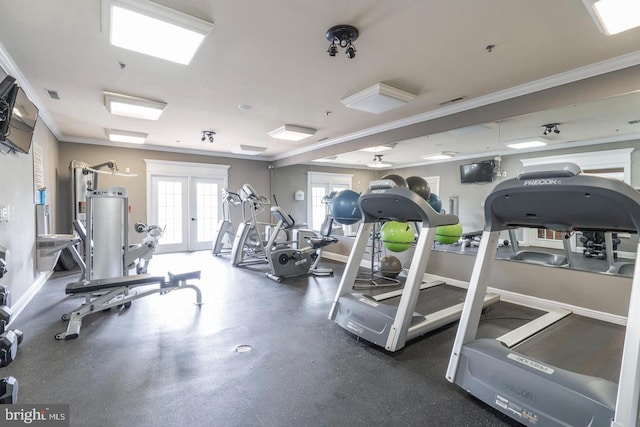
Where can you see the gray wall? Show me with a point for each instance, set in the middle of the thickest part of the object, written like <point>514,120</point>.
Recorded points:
<point>241,171</point>
<point>287,180</point>
<point>19,235</point>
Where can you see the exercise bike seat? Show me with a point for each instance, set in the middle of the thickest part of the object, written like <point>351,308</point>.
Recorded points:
<point>320,242</point>
<point>324,239</point>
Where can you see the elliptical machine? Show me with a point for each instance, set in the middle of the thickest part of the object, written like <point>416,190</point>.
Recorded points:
<point>224,234</point>
<point>248,245</point>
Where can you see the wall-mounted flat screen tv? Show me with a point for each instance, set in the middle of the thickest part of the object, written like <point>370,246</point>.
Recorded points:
<point>20,116</point>
<point>477,172</point>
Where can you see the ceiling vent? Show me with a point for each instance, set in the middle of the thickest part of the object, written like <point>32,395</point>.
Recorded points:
<point>53,94</point>
<point>451,101</point>
<point>378,99</point>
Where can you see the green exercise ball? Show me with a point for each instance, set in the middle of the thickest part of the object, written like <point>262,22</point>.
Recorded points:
<point>396,236</point>
<point>389,266</point>
<point>448,234</point>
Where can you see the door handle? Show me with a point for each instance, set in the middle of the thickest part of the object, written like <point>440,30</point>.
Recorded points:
<point>193,219</point>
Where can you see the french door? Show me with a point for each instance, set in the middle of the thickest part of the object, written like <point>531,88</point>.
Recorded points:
<point>185,200</point>
<point>188,208</point>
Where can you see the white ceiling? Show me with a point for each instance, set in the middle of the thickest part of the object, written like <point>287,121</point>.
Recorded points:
<point>272,56</point>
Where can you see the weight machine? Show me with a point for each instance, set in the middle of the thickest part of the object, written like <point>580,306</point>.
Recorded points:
<point>106,237</point>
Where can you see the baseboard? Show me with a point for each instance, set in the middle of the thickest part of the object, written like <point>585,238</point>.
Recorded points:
<point>22,302</point>
<point>335,257</point>
<point>535,302</point>
<point>543,304</point>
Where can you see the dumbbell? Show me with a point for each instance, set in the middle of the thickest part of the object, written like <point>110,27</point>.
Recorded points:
<point>9,342</point>
<point>8,390</point>
<point>5,296</point>
<point>5,317</point>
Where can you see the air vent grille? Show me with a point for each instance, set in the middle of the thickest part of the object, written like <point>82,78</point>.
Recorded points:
<point>451,101</point>
<point>53,94</point>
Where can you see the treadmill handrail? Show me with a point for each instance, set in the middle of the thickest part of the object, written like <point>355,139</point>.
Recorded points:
<point>565,203</point>
<point>400,204</point>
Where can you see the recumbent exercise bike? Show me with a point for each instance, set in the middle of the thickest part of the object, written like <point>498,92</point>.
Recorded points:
<point>286,261</point>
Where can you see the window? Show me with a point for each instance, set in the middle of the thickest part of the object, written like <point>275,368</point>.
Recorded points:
<point>319,185</point>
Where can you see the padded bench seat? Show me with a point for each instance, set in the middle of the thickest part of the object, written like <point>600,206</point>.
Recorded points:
<point>114,282</point>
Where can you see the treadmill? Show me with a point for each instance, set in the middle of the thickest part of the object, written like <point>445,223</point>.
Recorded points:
<point>528,389</point>
<point>370,317</point>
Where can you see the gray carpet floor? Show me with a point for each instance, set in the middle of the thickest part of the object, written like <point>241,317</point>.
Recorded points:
<point>166,362</point>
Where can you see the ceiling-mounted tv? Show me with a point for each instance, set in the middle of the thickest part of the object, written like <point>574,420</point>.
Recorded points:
<point>477,172</point>
<point>18,116</point>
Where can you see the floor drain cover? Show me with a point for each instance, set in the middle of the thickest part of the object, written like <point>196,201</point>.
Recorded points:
<point>244,348</point>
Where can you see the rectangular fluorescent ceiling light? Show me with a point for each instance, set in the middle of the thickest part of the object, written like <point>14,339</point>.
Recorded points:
<point>126,136</point>
<point>529,143</point>
<point>153,29</point>
<point>614,16</point>
<point>378,148</point>
<point>130,106</point>
<point>378,99</point>
<point>249,150</point>
<point>439,156</point>
<point>292,133</point>
<point>326,159</point>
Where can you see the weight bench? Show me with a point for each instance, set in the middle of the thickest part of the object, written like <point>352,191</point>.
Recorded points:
<point>103,294</point>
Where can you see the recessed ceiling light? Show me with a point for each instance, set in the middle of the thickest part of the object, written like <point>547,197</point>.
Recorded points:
<point>153,29</point>
<point>614,16</point>
<point>126,136</point>
<point>292,133</point>
<point>378,148</point>
<point>527,143</point>
<point>439,156</point>
<point>326,159</point>
<point>244,107</point>
<point>380,164</point>
<point>249,150</point>
<point>378,98</point>
<point>130,106</point>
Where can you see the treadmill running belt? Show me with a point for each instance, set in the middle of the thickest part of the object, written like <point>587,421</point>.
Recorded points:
<point>579,344</point>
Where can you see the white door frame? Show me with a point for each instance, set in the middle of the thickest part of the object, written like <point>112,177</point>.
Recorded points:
<point>187,170</point>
